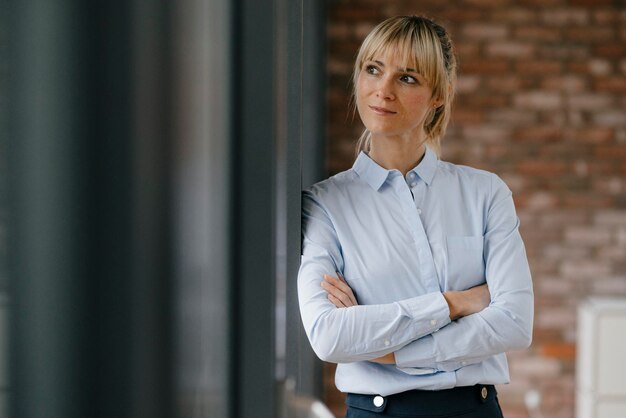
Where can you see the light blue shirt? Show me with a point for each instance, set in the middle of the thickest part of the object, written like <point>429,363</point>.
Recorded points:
<point>400,241</point>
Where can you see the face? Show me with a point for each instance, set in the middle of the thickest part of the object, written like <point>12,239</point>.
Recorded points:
<point>391,100</point>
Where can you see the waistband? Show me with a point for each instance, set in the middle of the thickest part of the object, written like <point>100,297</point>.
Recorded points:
<point>455,400</point>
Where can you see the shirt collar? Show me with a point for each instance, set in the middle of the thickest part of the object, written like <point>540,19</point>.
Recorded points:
<point>427,168</point>
<point>375,175</point>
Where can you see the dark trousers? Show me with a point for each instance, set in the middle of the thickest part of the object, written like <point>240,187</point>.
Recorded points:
<point>480,401</point>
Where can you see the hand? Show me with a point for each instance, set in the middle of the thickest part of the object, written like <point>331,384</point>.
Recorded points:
<point>467,302</point>
<point>339,293</point>
<point>386,359</point>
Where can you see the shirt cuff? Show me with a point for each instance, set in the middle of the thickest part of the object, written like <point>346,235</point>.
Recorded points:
<point>419,353</point>
<point>430,313</point>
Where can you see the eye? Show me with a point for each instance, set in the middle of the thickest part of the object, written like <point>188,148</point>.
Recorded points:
<point>372,69</point>
<point>408,79</point>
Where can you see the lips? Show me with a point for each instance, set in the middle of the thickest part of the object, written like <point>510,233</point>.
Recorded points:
<point>382,111</point>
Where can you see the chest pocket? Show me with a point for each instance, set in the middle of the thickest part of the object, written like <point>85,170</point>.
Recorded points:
<point>466,265</point>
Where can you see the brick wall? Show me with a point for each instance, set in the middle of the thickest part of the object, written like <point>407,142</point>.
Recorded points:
<point>542,102</point>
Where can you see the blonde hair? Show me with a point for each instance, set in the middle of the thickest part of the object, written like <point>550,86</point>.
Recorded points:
<point>426,46</point>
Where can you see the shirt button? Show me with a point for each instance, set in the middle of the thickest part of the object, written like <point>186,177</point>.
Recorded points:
<point>433,322</point>
<point>387,342</point>
<point>413,183</point>
<point>378,401</point>
<point>463,363</point>
<point>419,211</point>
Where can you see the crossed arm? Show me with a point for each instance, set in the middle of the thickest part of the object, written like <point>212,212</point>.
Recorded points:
<point>439,331</point>
<point>460,303</point>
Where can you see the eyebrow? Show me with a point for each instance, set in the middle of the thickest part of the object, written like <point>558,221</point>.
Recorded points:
<point>406,70</point>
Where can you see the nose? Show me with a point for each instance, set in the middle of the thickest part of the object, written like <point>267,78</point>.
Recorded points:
<point>385,88</point>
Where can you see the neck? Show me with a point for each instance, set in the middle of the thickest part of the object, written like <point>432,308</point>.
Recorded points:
<point>397,153</point>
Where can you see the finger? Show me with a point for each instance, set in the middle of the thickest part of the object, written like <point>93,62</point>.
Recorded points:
<point>335,301</point>
<point>342,292</point>
<point>338,293</point>
<point>341,285</point>
<point>349,290</point>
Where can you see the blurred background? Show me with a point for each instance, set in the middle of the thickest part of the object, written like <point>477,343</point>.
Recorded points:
<point>152,155</point>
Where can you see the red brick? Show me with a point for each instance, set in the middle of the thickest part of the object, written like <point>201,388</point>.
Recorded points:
<point>612,84</point>
<point>484,31</point>
<point>510,49</point>
<point>600,67</point>
<point>595,101</point>
<point>595,135</point>
<point>463,14</point>
<point>539,67</point>
<point>610,118</point>
<point>493,100</point>
<point>563,51</point>
<point>488,3</point>
<point>587,200</point>
<point>467,83</point>
<point>512,117</point>
<point>568,83</point>
<point>587,235</point>
<point>467,116</point>
<point>538,33</point>
<point>610,50</point>
<point>349,12</point>
<point>542,168</point>
<point>486,133</point>
<point>589,34</point>
<point>591,3</point>
<point>538,100</point>
<point>514,15</point>
<point>539,133</point>
<point>605,16</point>
<point>484,66</point>
<point>565,16</point>
<point>508,83</point>
<point>466,49</point>
<point>611,217</point>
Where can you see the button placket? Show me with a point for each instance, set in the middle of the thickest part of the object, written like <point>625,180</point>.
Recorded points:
<point>423,252</point>
<point>427,262</point>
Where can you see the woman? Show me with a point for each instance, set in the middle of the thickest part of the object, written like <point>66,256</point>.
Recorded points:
<point>414,277</point>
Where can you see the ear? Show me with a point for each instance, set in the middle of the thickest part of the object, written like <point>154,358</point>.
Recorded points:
<point>437,102</point>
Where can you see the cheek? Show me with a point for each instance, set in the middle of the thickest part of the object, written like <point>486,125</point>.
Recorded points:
<point>419,101</point>
<point>362,87</point>
<point>417,105</point>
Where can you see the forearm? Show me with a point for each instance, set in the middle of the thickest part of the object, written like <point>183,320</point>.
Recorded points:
<point>505,325</point>
<point>359,333</point>
<point>460,304</point>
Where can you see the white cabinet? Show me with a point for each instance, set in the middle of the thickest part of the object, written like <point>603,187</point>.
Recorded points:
<point>601,359</point>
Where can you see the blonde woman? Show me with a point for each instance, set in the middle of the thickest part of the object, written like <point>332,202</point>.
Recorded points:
<point>414,277</point>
